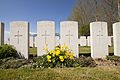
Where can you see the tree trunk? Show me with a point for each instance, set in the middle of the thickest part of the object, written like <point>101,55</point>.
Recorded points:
<point>119,10</point>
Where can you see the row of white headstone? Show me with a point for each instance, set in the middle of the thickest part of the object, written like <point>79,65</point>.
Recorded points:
<point>83,41</point>
<point>19,37</point>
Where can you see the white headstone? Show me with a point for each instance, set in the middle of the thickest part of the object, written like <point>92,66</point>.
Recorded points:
<point>99,39</point>
<point>35,41</point>
<point>57,40</point>
<point>31,41</point>
<point>110,40</point>
<point>116,34</point>
<point>1,33</point>
<point>88,41</point>
<point>69,35</point>
<point>45,35</point>
<point>19,37</point>
<point>83,41</point>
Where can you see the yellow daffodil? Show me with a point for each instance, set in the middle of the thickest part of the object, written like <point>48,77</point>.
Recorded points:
<point>64,43</point>
<point>45,49</point>
<point>61,58</point>
<point>71,57</point>
<point>53,55</point>
<point>66,47</point>
<point>71,54</point>
<point>57,48</point>
<point>62,50</point>
<point>63,47</point>
<point>57,53</point>
<point>65,56</point>
<point>60,46</point>
<point>48,58</point>
<point>48,53</point>
<point>51,51</point>
<point>67,53</point>
<point>46,44</point>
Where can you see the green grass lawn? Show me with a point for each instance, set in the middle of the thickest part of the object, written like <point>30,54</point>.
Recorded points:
<point>83,50</point>
<point>87,49</point>
<point>33,51</point>
<point>85,73</point>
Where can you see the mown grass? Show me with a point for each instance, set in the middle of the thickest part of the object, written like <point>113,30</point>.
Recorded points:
<point>87,49</point>
<point>82,50</point>
<point>111,49</point>
<point>86,73</point>
<point>33,51</point>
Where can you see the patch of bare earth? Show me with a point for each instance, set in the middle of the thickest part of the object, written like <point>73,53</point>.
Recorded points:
<point>105,62</point>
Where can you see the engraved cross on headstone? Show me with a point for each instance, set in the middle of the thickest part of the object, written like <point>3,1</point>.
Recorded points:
<point>45,35</point>
<point>69,35</point>
<point>18,35</point>
<point>100,34</point>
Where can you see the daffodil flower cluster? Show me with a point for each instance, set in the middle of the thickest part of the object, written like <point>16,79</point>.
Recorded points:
<point>59,54</point>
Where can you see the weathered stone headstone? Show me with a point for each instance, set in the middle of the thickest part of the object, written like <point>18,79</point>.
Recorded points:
<point>83,41</point>
<point>19,37</point>
<point>88,41</point>
<point>57,40</point>
<point>31,41</point>
<point>69,35</point>
<point>1,33</point>
<point>99,39</point>
<point>116,37</point>
<point>35,41</point>
<point>45,35</point>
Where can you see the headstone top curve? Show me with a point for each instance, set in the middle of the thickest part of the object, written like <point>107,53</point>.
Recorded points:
<point>45,21</point>
<point>116,23</point>
<point>68,22</point>
<point>19,22</point>
<point>98,22</point>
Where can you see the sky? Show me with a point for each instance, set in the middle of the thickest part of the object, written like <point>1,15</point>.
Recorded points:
<point>33,11</point>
